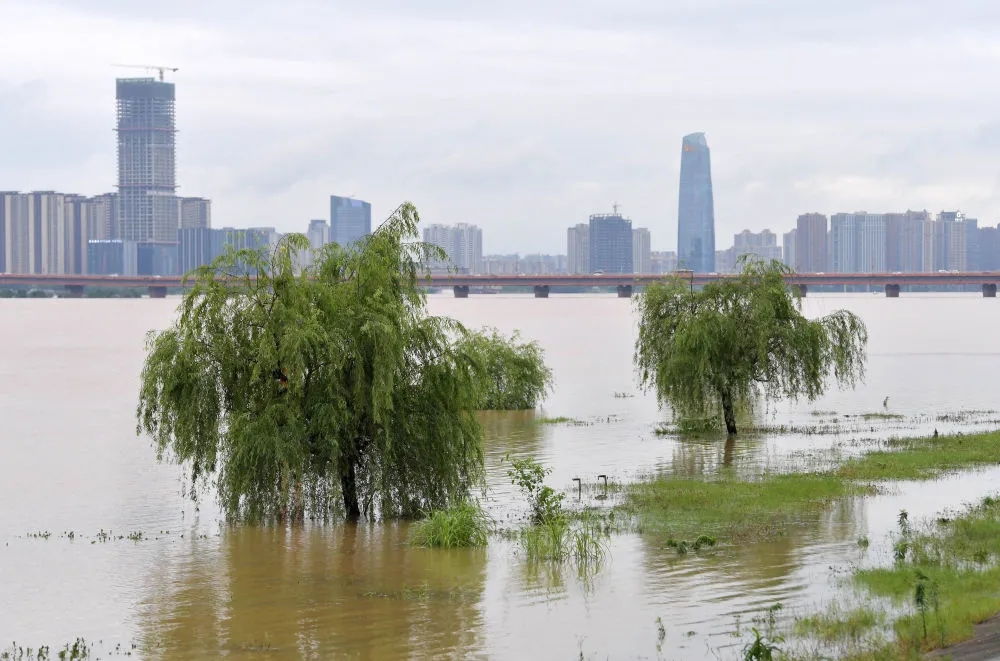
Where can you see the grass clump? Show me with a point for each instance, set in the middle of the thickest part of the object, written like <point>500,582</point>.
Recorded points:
<point>837,625</point>
<point>462,526</point>
<point>561,420</point>
<point>733,510</point>
<point>923,458</point>
<point>881,416</point>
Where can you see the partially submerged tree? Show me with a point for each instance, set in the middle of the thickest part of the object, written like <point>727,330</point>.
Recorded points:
<point>514,373</point>
<point>739,339</point>
<point>292,390</point>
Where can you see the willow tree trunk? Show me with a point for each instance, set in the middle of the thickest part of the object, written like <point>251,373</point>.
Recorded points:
<point>349,489</point>
<point>729,412</point>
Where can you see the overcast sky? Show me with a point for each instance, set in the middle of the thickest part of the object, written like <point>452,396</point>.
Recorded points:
<point>522,116</point>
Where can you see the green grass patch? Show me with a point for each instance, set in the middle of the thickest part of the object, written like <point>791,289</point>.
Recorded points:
<point>838,625</point>
<point>462,526</point>
<point>949,577</point>
<point>923,458</point>
<point>561,420</point>
<point>733,510</point>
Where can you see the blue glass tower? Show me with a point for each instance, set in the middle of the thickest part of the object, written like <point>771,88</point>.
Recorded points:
<point>695,211</point>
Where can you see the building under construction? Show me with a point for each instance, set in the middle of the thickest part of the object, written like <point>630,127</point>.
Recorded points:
<point>147,183</point>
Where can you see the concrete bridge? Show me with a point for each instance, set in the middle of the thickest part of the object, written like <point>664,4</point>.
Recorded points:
<point>624,284</point>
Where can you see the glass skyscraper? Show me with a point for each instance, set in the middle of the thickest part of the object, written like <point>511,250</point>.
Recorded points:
<point>350,220</point>
<point>695,210</point>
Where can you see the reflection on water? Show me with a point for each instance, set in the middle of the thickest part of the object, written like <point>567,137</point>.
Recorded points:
<point>203,590</point>
<point>317,593</point>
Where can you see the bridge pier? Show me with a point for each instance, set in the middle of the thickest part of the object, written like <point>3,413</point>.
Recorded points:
<point>74,291</point>
<point>624,291</point>
<point>802,289</point>
<point>461,291</point>
<point>892,291</point>
<point>541,291</point>
<point>157,291</point>
<point>989,290</point>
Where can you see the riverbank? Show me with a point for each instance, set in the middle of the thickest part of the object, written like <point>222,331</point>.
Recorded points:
<point>944,574</point>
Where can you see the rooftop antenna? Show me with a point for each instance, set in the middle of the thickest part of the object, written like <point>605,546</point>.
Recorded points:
<point>615,207</point>
<point>148,67</point>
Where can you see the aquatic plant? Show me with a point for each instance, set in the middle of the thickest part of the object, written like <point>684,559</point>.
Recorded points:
<point>460,526</point>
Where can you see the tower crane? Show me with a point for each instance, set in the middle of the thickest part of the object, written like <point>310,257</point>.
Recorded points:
<point>148,67</point>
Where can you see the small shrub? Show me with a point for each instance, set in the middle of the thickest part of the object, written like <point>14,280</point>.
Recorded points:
<point>461,526</point>
<point>529,476</point>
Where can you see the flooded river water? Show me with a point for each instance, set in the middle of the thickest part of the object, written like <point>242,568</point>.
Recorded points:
<point>77,482</point>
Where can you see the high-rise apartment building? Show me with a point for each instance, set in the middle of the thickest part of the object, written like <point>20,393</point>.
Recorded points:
<point>763,244</point>
<point>904,241</point>
<point>194,212</point>
<point>147,182</point>
<point>578,248</point>
<point>695,208</point>
<point>86,220</point>
<point>989,249</point>
<point>788,254</point>
<point>811,244</point>
<point>641,253</point>
<point>611,244</point>
<point>350,220</point>
<point>857,242</point>
<point>463,244</point>
<point>45,232</point>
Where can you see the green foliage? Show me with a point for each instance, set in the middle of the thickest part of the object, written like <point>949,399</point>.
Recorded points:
<point>740,339</point>
<point>529,476</point>
<point>462,525</point>
<point>293,391</point>
<point>760,648</point>
<point>513,373</point>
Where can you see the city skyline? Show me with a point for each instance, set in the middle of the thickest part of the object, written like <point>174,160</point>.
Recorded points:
<point>585,112</point>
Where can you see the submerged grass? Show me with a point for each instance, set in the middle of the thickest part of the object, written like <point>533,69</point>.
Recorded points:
<point>731,509</point>
<point>561,420</point>
<point>838,625</point>
<point>559,539</point>
<point>462,526</point>
<point>923,458</point>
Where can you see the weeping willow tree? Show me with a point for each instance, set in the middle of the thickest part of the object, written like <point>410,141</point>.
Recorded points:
<point>515,376</point>
<point>294,391</point>
<point>740,339</point>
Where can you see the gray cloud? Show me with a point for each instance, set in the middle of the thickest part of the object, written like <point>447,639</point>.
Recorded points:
<point>523,117</point>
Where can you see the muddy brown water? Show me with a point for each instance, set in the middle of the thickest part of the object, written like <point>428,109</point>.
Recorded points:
<point>192,588</point>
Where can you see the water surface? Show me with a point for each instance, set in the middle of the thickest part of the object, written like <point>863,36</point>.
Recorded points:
<point>193,588</point>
